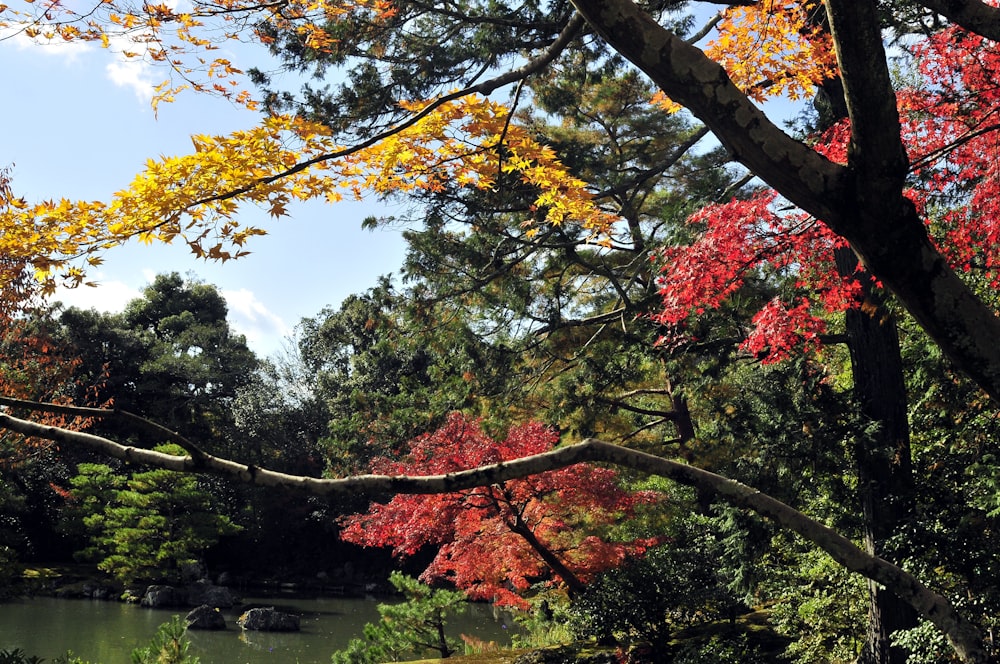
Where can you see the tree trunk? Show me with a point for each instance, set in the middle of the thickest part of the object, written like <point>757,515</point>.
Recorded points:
<point>443,648</point>
<point>574,586</point>
<point>882,456</point>
<point>858,202</point>
<point>882,453</point>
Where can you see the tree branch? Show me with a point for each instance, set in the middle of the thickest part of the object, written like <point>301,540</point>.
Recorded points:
<point>148,426</point>
<point>658,169</point>
<point>701,85</point>
<point>882,225</point>
<point>616,403</point>
<point>485,88</point>
<point>963,635</point>
<point>973,15</point>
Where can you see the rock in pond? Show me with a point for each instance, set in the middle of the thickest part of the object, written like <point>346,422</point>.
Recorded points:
<point>163,596</point>
<point>266,619</point>
<point>203,592</point>
<point>205,617</point>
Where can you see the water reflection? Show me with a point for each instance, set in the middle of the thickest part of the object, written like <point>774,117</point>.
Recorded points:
<point>106,632</point>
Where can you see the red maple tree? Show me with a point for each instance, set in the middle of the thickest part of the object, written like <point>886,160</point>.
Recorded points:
<point>495,541</point>
<point>949,119</point>
<point>34,366</point>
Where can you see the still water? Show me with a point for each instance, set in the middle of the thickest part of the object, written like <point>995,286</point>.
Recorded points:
<point>106,632</point>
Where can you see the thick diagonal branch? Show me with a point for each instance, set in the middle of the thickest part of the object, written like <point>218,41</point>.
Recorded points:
<point>962,634</point>
<point>882,225</point>
<point>973,15</point>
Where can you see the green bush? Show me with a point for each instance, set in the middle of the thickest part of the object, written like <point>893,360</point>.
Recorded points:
<point>168,646</point>
<point>720,650</point>
<point>17,656</point>
<point>147,527</point>
<point>410,628</point>
<point>673,586</point>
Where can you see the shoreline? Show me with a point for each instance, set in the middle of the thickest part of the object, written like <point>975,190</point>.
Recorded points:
<point>74,581</point>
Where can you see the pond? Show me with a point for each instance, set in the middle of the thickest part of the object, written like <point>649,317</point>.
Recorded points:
<point>106,632</point>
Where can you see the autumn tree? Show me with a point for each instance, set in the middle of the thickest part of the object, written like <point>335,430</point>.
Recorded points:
<point>577,317</point>
<point>690,78</point>
<point>863,185</point>
<point>35,363</point>
<point>882,453</point>
<point>493,542</point>
<point>20,288</point>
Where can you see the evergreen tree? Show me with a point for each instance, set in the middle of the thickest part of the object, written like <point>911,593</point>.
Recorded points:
<point>412,627</point>
<point>387,373</point>
<point>150,525</point>
<point>170,356</point>
<point>169,645</point>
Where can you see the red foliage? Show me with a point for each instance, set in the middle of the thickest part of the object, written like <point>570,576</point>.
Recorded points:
<point>35,367</point>
<point>744,237</point>
<point>951,127</point>
<point>479,532</point>
<point>950,123</point>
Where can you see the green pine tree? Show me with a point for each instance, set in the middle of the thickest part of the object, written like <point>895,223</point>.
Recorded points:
<point>149,525</point>
<point>168,646</point>
<point>409,628</point>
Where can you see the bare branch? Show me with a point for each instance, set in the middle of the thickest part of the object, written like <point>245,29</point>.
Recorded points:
<point>148,426</point>
<point>705,29</point>
<point>664,414</point>
<point>658,169</point>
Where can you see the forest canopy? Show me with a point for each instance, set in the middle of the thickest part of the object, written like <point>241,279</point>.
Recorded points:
<point>606,234</point>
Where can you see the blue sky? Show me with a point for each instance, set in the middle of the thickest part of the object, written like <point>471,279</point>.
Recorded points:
<point>77,123</point>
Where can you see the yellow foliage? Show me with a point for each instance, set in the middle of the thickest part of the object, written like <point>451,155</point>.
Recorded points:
<point>194,198</point>
<point>772,48</point>
<point>178,36</point>
<point>769,48</point>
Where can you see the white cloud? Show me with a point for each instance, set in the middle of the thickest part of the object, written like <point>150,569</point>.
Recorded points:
<point>69,51</point>
<point>132,73</point>
<point>265,331</point>
<point>108,296</point>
